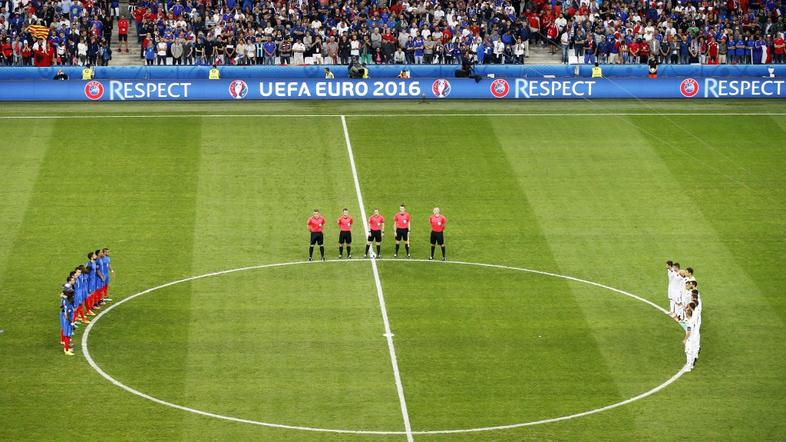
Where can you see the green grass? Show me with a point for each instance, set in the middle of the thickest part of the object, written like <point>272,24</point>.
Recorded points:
<point>606,198</point>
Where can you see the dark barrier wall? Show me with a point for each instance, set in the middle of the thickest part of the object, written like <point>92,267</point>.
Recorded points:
<point>433,88</point>
<point>388,71</point>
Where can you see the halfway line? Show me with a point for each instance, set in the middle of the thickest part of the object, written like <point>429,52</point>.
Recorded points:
<point>380,296</point>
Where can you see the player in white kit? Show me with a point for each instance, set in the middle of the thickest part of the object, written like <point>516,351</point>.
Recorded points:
<point>689,323</point>
<point>672,270</point>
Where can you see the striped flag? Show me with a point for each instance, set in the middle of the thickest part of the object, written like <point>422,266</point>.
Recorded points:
<point>38,31</point>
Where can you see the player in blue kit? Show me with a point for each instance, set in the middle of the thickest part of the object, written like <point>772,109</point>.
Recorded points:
<point>100,279</point>
<point>94,282</point>
<point>90,280</point>
<point>80,294</point>
<point>105,265</point>
<point>66,312</point>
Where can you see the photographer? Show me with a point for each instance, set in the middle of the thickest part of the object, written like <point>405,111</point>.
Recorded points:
<point>467,70</point>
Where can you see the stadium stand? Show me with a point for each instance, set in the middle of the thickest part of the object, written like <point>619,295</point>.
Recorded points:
<point>241,32</point>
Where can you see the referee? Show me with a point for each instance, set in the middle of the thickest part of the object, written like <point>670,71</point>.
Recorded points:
<point>437,222</point>
<point>315,225</point>
<point>376,229</point>
<point>402,220</point>
<point>345,234</point>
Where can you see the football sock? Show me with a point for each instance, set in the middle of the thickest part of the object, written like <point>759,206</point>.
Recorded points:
<point>406,246</point>
<point>322,251</point>
<point>443,251</point>
<point>432,251</point>
<point>340,251</point>
<point>368,246</point>
<point>311,251</point>
<point>397,246</point>
<point>349,250</point>
<point>378,247</point>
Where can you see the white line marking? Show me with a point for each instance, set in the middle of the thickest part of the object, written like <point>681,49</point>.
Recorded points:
<point>388,334</point>
<point>119,384</point>
<point>416,115</point>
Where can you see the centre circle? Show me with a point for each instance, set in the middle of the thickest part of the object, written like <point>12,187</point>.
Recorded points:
<point>114,381</point>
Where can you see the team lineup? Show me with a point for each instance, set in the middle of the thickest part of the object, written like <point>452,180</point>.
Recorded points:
<point>86,289</point>
<point>376,230</point>
<point>685,307</point>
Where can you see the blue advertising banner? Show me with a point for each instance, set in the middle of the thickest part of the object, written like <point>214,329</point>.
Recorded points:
<point>433,88</point>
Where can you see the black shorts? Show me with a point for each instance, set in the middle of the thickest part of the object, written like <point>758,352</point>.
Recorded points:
<point>317,238</point>
<point>345,237</point>
<point>437,238</point>
<point>402,234</point>
<point>122,37</point>
<point>375,235</point>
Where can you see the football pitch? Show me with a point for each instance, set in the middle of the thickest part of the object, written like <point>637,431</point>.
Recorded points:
<point>545,323</point>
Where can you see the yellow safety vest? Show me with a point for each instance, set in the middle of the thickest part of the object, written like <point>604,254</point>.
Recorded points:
<point>214,74</point>
<point>365,73</point>
<point>329,76</point>
<point>597,72</point>
<point>87,74</point>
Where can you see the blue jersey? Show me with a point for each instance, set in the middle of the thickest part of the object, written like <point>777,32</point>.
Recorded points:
<point>78,287</point>
<point>92,277</point>
<point>105,268</point>
<point>66,313</point>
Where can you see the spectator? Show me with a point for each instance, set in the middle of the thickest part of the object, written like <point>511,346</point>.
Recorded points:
<point>177,51</point>
<point>122,33</point>
<point>298,51</point>
<point>161,49</point>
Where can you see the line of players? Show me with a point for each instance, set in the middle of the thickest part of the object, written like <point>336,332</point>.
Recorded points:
<point>685,307</point>
<point>85,290</point>
<point>376,230</point>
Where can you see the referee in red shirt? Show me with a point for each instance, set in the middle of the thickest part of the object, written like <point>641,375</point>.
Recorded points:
<point>376,229</point>
<point>402,221</point>
<point>437,222</point>
<point>345,234</point>
<point>315,225</point>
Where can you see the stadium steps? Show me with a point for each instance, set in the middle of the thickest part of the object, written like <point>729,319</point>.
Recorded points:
<point>130,58</point>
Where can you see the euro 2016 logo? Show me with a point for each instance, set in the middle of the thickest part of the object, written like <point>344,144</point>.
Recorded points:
<point>94,90</point>
<point>238,89</point>
<point>499,88</point>
<point>689,88</point>
<point>440,88</point>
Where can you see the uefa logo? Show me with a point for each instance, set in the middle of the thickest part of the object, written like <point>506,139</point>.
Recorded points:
<point>689,87</point>
<point>238,89</point>
<point>500,88</point>
<point>94,90</point>
<point>440,88</point>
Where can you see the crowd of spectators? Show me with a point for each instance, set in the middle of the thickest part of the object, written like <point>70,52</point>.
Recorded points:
<point>243,32</point>
<point>64,32</point>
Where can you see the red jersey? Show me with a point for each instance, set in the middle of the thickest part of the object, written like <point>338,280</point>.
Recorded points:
<point>122,26</point>
<point>375,222</point>
<point>345,223</point>
<point>315,224</point>
<point>402,220</point>
<point>437,222</point>
<point>778,45</point>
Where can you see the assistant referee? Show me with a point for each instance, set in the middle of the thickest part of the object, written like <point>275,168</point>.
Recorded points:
<point>437,222</point>
<point>316,223</point>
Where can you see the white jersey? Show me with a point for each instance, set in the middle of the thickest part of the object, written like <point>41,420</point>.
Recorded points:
<point>673,288</point>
